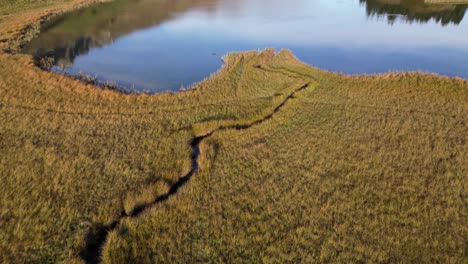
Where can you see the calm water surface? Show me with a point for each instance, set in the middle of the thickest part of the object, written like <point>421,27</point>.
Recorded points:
<point>160,45</point>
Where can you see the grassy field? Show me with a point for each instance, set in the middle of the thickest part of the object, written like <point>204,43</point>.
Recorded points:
<point>349,169</point>
<point>356,170</point>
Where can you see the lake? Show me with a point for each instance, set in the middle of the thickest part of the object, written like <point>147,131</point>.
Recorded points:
<point>163,45</point>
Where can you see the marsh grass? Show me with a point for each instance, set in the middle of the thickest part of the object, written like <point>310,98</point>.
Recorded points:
<point>360,168</point>
<point>74,157</point>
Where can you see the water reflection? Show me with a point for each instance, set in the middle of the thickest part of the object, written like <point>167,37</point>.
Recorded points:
<point>163,44</point>
<point>421,11</point>
<point>67,37</point>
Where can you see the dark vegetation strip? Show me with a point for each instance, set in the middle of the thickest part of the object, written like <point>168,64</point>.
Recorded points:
<point>54,111</point>
<point>96,239</point>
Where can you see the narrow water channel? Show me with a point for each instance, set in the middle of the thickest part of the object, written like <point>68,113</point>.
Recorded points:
<point>92,252</point>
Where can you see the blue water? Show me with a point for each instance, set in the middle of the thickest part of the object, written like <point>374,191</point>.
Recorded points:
<point>184,42</point>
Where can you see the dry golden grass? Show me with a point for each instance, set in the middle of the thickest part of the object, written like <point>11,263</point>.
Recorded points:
<point>74,157</point>
<point>360,169</point>
<point>355,169</point>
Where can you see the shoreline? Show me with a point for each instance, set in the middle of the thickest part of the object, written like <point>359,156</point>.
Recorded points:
<point>30,30</point>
